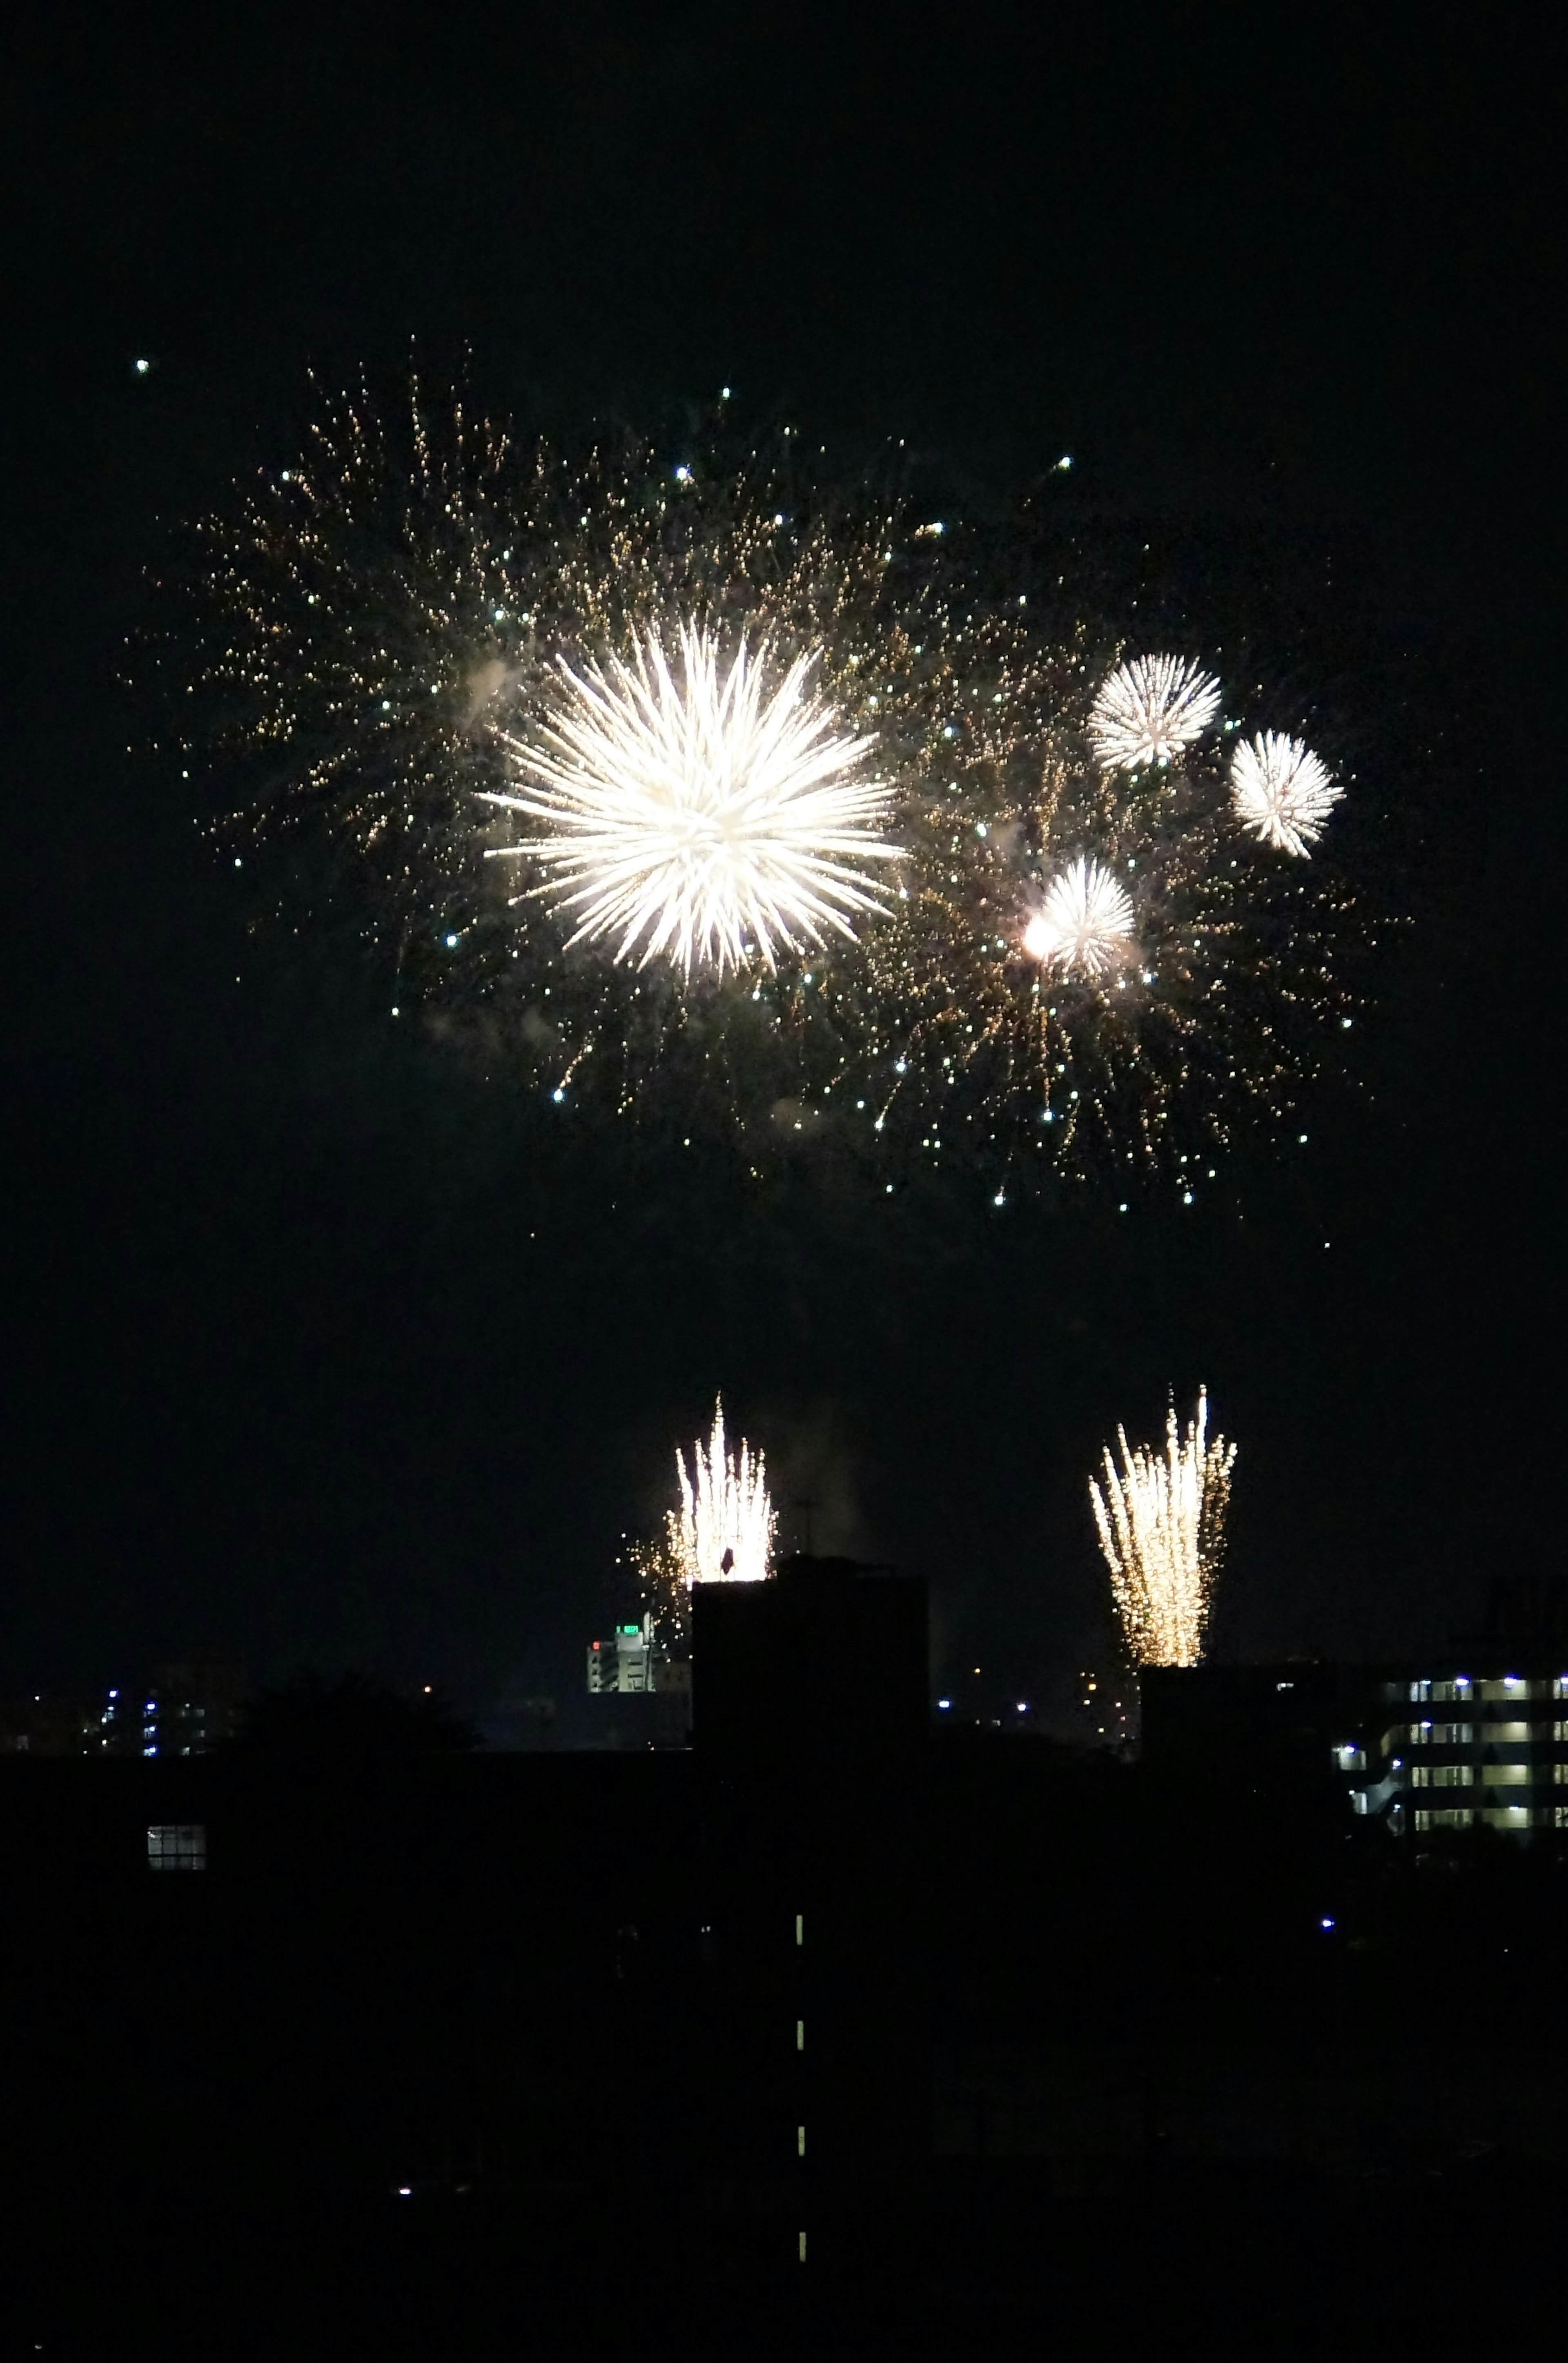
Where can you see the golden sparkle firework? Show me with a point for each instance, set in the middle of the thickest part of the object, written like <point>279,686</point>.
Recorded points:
<point>1024,923</point>
<point>1161,1522</point>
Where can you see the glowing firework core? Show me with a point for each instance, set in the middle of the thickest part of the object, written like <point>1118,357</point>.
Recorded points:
<point>1281,791</point>
<point>723,1532</point>
<point>705,817</point>
<point>1161,1526</point>
<point>1147,711</point>
<point>1085,924</point>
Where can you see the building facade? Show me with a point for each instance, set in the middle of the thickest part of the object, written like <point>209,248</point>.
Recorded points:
<point>1477,1745</point>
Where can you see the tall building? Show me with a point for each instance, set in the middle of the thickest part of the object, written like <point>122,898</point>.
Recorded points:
<point>1471,1742</point>
<point>811,1743</point>
<point>632,1664</point>
<point>1468,1744</point>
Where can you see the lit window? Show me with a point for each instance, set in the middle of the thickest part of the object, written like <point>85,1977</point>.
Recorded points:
<point>1506,1776</point>
<point>176,1845</point>
<point>800,1927</point>
<point>1421,1692</point>
<point>1560,1816</point>
<point>800,2141</point>
<point>799,2034</point>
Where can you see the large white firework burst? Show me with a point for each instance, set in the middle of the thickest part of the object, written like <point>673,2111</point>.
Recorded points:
<point>1149,709</point>
<point>723,1532</point>
<point>1161,1522</point>
<point>1085,924</point>
<point>707,812</point>
<point>1281,791</point>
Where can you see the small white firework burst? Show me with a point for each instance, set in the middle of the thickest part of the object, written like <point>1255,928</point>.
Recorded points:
<point>707,817</point>
<point>1281,791</point>
<point>1149,709</point>
<point>1085,924</point>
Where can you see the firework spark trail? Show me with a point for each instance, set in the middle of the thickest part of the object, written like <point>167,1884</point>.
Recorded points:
<point>1149,710</point>
<point>1282,791</point>
<point>724,1530</point>
<point>703,819</point>
<point>1085,924</point>
<point>1161,1524</point>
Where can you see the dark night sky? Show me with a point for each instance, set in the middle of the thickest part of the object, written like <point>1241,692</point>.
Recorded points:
<point>317,1348</point>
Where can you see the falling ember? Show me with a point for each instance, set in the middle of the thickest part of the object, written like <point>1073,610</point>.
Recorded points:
<point>699,814</point>
<point>723,1532</point>
<point>1149,710</point>
<point>1162,1523</point>
<point>1085,924</point>
<point>1281,791</point>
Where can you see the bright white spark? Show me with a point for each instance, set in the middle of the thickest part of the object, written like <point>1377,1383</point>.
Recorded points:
<point>723,1532</point>
<point>1162,1525</point>
<point>699,813</point>
<point>1281,791</point>
<point>1149,709</point>
<point>1085,924</point>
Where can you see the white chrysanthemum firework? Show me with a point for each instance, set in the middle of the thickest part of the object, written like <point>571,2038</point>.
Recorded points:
<point>1281,791</point>
<point>1149,709</point>
<point>723,1532</point>
<point>1084,925</point>
<point>699,812</point>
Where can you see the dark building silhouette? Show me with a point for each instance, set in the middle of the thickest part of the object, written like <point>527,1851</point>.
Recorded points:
<point>812,1742</point>
<point>677,1990</point>
<point>831,2001</point>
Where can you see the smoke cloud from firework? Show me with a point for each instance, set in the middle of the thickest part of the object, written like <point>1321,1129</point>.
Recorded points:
<point>1161,1521</point>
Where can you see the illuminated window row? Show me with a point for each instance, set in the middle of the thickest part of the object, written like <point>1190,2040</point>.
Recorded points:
<point>1505,1687</point>
<point>1464,1817</point>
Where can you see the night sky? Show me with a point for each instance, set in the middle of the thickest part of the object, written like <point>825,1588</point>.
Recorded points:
<point>323,1346</point>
